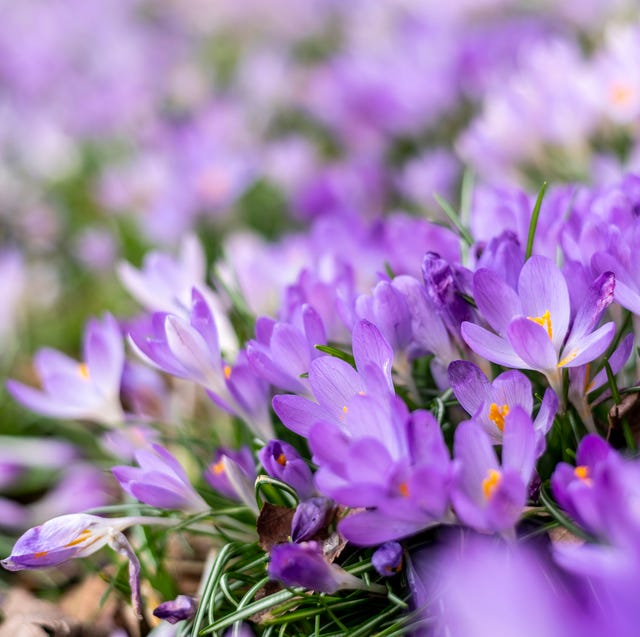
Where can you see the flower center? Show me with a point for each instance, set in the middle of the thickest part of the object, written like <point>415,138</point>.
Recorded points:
<point>83,370</point>
<point>227,371</point>
<point>497,415</point>
<point>218,467</point>
<point>582,473</point>
<point>621,94</point>
<point>281,459</point>
<point>544,321</point>
<point>491,482</point>
<point>404,490</point>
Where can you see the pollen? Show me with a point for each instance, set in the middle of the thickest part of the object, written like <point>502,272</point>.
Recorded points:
<point>218,467</point>
<point>40,554</point>
<point>345,409</point>
<point>568,358</point>
<point>544,321</point>
<point>227,371</point>
<point>582,473</point>
<point>498,414</point>
<point>83,370</point>
<point>491,482</point>
<point>84,535</point>
<point>404,490</point>
<point>282,459</point>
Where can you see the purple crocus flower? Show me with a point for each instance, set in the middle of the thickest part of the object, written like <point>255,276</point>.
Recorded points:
<point>280,460</point>
<point>177,610</point>
<point>487,496</point>
<point>388,310</point>
<point>445,285</point>
<point>76,535</point>
<point>583,490</point>
<point>190,349</point>
<point>334,382</point>
<point>232,473</point>
<point>532,324</point>
<point>87,390</point>
<point>475,586</point>
<point>490,402</point>
<point>387,559</point>
<point>282,352</point>
<point>309,518</point>
<point>391,465</point>
<point>160,481</point>
<point>304,565</point>
<point>165,283</point>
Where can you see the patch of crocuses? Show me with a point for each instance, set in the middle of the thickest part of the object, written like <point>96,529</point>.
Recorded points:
<point>367,372</point>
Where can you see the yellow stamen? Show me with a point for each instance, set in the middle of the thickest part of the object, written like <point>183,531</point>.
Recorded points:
<point>491,482</point>
<point>345,409</point>
<point>582,473</point>
<point>362,393</point>
<point>40,554</point>
<point>84,535</point>
<point>282,459</point>
<point>544,321</point>
<point>404,490</point>
<point>227,371</point>
<point>497,415</point>
<point>218,467</point>
<point>83,370</point>
<point>568,358</point>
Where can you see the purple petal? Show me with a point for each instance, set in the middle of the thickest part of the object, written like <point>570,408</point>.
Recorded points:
<point>104,354</point>
<point>497,301</point>
<point>512,388</point>
<point>543,288</point>
<point>370,347</point>
<point>473,450</point>
<point>532,344</point>
<point>598,299</point>
<point>297,413</point>
<point>334,383</point>
<point>370,528</point>
<point>493,348</point>
<point>470,386</point>
<point>519,443</point>
<point>588,348</point>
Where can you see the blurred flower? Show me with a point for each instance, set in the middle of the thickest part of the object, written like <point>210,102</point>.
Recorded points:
<point>160,481</point>
<point>181,608</point>
<point>303,565</point>
<point>88,390</point>
<point>280,460</point>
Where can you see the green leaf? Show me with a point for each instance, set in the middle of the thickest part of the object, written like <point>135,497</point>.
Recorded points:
<point>533,224</point>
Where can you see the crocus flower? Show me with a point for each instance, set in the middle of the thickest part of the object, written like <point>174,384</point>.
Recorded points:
<point>445,285</point>
<point>583,491</point>
<point>280,460</point>
<point>76,535</point>
<point>178,609</point>
<point>475,586</point>
<point>334,382</point>
<point>304,565</point>
<point>232,473</point>
<point>487,496</point>
<point>390,465</point>
<point>490,402</point>
<point>309,518</point>
<point>387,559</point>
<point>87,390</point>
<point>160,481</point>
<point>189,348</point>
<point>164,284</point>
<point>532,324</point>
<point>282,352</point>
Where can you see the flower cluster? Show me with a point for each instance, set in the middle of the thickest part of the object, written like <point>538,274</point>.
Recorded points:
<point>385,424</point>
